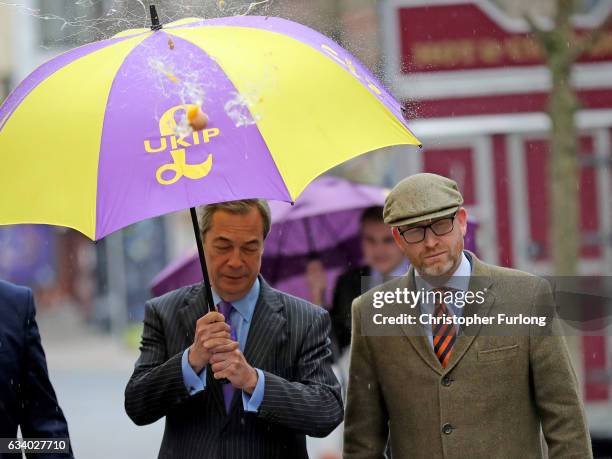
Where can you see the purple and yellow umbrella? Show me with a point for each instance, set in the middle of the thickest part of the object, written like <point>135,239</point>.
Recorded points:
<point>157,120</point>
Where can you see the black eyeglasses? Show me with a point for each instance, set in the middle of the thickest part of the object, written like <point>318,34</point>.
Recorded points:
<point>439,228</point>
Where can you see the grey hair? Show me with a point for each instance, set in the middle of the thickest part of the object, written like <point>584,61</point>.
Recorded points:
<point>240,207</point>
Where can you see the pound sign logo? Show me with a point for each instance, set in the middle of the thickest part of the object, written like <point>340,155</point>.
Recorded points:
<point>179,167</point>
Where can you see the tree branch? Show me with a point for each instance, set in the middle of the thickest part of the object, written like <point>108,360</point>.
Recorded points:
<point>587,42</point>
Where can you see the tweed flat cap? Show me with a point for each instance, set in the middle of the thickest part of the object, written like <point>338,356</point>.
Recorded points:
<point>421,197</point>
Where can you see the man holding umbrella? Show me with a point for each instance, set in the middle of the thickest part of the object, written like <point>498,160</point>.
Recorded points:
<point>272,351</point>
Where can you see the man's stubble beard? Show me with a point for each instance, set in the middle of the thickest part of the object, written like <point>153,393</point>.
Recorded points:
<point>439,269</point>
<point>447,267</point>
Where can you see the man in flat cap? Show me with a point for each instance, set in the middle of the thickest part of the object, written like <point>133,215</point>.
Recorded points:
<point>434,385</point>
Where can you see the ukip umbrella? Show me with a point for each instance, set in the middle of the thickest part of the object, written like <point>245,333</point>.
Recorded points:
<point>324,223</point>
<point>198,111</point>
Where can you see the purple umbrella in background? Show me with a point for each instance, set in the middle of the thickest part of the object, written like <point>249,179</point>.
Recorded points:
<point>324,223</point>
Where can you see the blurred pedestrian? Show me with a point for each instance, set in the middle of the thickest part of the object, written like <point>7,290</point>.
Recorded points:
<point>273,349</point>
<point>27,398</point>
<point>445,391</point>
<point>383,259</point>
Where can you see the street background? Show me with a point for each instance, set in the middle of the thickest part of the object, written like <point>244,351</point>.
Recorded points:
<point>476,91</point>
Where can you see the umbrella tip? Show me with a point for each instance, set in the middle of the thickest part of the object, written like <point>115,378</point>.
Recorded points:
<point>155,25</point>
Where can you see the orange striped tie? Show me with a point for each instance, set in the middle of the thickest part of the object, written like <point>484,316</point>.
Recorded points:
<point>444,335</point>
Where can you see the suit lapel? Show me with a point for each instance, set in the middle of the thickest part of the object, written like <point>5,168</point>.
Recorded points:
<point>194,308</point>
<point>415,333</point>
<point>266,324</point>
<point>480,281</point>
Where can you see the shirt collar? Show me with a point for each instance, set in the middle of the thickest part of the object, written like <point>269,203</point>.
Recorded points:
<point>460,280</point>
<point>401,269</point>
<point>245,305</point>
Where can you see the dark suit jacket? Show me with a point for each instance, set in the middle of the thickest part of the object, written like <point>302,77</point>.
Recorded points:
<point>348,287</point>
<point>27,398</point>
<point>288,340</point>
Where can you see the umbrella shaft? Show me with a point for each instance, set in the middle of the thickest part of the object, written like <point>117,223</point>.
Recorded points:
<point>207,287</point>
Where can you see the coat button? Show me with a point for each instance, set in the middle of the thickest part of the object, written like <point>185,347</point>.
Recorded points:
<point>447,429</point>
<point>447,381</point>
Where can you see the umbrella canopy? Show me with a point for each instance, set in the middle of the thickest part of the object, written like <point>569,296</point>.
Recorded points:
<point>103,135</point>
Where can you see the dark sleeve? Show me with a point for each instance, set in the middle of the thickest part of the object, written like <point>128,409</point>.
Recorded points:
<point>40,415</point>
<point>340,312</point>
<point>157,385</point>
<point>311,405</point>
